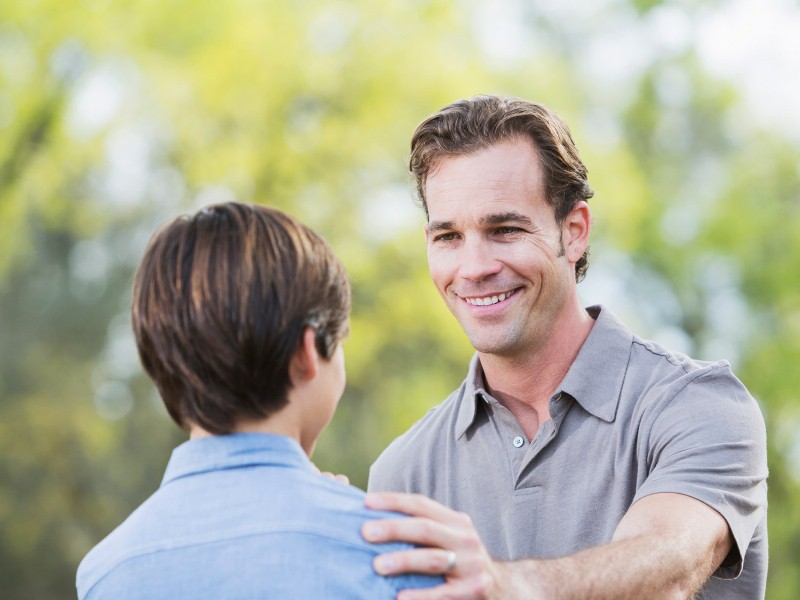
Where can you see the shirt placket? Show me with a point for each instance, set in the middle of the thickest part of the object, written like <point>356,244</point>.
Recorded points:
<point>560,404</point>
<point>521,453</point>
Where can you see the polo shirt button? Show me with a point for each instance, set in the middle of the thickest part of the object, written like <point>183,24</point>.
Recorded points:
<point>518,441</point>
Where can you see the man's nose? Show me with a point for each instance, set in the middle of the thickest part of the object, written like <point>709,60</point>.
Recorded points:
<point>477,261</point>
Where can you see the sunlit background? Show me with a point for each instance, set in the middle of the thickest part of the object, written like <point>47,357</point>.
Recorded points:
<point>115,116</point>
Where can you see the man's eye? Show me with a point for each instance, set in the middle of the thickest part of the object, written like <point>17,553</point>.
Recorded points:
<point>445,237</point>
<point>507,230</point>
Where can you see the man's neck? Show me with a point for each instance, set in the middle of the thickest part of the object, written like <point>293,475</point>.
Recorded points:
<point>524,383</point>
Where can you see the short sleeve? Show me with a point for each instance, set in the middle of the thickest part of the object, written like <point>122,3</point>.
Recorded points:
<point>706,439</point>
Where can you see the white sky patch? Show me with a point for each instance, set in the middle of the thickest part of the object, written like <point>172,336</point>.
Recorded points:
<point>128,154</point>
<point>502,32</point>
<point>388,212</point>
<point>568,10</point>
<point>98,98</point>
<point>670,29</point>
<point>756,45</point>
<point>620,53</point>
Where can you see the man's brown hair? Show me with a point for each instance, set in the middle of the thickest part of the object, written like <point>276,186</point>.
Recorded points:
<point>220,302</point>
<point>474,124</point>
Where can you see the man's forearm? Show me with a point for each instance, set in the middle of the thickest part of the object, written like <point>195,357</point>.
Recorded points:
<point>665,547</point>
<point>640,567</point>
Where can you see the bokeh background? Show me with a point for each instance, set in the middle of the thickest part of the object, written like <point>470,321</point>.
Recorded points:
<point>118,115</point>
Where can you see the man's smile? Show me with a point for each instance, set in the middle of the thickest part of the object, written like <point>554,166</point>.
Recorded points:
<point>488,299</point>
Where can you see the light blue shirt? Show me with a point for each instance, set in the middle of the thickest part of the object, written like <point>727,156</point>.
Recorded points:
<point>243,516</point>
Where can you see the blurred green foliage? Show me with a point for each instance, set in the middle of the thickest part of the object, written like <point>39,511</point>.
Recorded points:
<point>115,116</point>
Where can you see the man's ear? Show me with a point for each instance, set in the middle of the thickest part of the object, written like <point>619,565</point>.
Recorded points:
<point>575,231</point>
<point>426,232</point>
<point>304,365</point>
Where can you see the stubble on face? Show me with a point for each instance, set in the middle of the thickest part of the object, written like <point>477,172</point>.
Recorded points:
<point>470,195</point>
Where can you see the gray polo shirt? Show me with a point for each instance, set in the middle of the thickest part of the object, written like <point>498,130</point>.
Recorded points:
<point>630,419</point>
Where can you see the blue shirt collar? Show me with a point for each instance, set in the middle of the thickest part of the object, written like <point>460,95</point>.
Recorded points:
<point>234,450</point>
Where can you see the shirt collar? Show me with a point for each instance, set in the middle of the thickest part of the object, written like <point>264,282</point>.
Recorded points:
<point>471,395</point>
<point>236,450</point>
<point>594,380</point>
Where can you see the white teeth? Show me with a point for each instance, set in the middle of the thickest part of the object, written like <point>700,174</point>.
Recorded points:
<point>489,300</point>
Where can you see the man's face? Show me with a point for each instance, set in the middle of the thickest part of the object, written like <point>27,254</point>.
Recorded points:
<point>495,251</point>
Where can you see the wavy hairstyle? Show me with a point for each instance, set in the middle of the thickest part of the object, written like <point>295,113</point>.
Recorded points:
<point>473,124</point>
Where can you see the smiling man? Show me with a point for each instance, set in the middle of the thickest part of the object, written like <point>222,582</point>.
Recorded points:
<point>576,460</point>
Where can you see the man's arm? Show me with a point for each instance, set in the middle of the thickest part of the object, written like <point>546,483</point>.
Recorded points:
<point>665,546</point>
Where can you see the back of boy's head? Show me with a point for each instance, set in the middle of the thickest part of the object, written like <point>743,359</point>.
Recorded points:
<point>220,302</point>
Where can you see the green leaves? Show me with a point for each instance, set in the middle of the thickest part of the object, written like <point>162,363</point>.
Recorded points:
<point>115,116</point>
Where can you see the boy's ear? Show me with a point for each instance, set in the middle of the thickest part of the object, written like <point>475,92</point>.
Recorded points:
<point>304,365</point>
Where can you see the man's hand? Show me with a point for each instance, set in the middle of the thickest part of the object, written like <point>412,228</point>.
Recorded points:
<point>666,546</point>
<point>338,477</point>
<point>452,548</point>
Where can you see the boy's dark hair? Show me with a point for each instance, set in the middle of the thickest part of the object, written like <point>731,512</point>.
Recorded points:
<point>220,303</point>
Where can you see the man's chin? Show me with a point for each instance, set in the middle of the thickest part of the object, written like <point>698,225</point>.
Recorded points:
<point>498,346</point>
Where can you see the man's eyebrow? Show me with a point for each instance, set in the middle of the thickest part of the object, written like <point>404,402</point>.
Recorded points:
<point>506,217</point>
<point>493,219</point>
<point>439,226</point>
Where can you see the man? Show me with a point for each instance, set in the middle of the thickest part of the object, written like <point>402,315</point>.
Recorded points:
<point>239,312</point>
<point>576,460</point>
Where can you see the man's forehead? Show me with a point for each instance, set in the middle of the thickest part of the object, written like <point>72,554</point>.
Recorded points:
<point>502,168</point>
<point>521,149</point>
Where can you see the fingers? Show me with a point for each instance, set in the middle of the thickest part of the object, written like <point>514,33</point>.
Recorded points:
<point>420,531</point>
<point>450,546</point>
<point>465,579</point>
<point>340,478</point>
<point>431,524</point>
<point>431,561</point>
